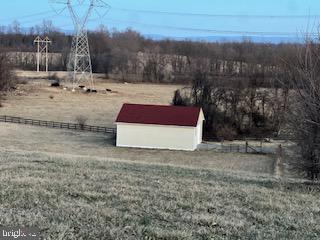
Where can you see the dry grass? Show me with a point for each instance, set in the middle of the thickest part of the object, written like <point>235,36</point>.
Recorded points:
<point>77,185</point>
<point>100,109</point>
<point>30,138</point>
<point>91,198</point>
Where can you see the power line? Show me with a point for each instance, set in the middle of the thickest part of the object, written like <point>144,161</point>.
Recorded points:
<point>28,16</point>
<point>203,30</point>
<point>37,14</point>
<point>215,15</point>
<point>259,33</point>
<point>178,14</point>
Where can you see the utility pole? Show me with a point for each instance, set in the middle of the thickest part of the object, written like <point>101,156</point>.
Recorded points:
<point>37,41</point>
<point>42,46</point>
<point>47,41</point>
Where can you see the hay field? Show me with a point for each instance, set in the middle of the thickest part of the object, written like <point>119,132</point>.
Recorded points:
<point>34,99</point>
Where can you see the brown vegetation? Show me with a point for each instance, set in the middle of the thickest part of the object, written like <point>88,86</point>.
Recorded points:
<point>235,109</point>
<point>131,57</point>
<point>7,79</point>
<point>303,73</point>
<point>6,76</point>
<point>81,120</point>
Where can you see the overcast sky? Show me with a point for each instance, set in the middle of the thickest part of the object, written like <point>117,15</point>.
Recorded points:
<point>32,12</point>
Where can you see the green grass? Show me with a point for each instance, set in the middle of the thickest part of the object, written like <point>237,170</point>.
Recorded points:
<point>91,198</point>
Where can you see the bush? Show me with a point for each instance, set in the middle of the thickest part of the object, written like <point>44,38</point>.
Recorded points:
<point>23,81</point>
<point>178,100</point>
<point>81,120</point>
<point>7,79</point>
<point>226,133</point>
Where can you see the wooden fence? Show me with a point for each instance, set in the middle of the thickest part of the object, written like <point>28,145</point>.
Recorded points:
<point>61,125</point>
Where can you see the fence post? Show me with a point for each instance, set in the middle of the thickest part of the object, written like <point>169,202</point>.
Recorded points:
<point>247,146</point>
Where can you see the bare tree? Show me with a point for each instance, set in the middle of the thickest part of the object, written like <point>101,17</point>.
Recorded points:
<point>7,79</point>
<point>81,120</point>
<point>304,114</point>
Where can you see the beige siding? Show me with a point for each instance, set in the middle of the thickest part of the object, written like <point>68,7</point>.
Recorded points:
<point>199,133</point>
<point>156,136</point>
<point>200,128</point>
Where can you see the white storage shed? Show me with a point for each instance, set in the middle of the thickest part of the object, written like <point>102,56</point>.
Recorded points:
<point>159,127</point>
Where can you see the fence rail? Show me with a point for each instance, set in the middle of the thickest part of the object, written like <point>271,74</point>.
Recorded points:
<point>242,148</point>
<point>61,125</point>
<point>245,147</point>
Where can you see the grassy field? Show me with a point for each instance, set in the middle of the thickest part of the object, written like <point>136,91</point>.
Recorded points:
<point>72,197</point>
<point>77,185</point>
<point>39,101</point>
<point>72,143</point>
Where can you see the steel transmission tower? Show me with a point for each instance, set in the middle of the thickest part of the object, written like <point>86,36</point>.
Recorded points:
<point>79,64</point>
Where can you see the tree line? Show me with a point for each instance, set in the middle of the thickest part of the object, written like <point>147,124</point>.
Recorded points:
<point>290,105</point>
<point>127,55</point>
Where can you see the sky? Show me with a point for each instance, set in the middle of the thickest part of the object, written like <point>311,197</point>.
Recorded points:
<point>195,18</point>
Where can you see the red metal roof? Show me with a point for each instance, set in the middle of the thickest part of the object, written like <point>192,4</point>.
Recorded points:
<point>159,115</point>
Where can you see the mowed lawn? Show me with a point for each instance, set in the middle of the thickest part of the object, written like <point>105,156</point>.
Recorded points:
<point>92,198</point>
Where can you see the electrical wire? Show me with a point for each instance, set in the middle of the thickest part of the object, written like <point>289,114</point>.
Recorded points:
<point>178,28</point>
<point>27,16</point>
<point>262,33</point>
<point>214,15</point>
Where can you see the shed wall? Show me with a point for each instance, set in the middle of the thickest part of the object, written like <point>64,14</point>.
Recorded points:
<point>157,136</point>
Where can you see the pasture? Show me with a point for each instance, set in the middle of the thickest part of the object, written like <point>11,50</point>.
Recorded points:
<point>77,185</point>
<point>39,101</point>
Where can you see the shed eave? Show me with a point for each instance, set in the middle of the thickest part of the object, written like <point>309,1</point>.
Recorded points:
<point>150,124</point>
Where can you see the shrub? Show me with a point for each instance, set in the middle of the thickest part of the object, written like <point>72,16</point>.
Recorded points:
<point>23,81</point>
<point>181,97</point>
<point>226,133</point>
<point>7,79</point>
<point>81,120</point>
<point>177,99</point>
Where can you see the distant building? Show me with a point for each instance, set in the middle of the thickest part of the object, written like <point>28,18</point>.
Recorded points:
<point>159,127</point>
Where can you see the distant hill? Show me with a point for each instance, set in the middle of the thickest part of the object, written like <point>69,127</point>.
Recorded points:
<point>257,39</point>
<point>158,37</point>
